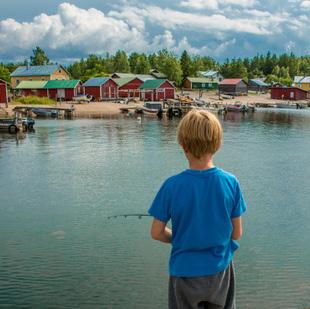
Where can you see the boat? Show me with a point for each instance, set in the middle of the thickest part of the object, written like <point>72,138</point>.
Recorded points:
<point>45,112</point>
<point>9,125</point>
<point>286,105</point>
<point>239,108</point>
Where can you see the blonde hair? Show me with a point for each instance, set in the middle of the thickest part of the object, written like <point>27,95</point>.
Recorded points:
<point>200,132</point>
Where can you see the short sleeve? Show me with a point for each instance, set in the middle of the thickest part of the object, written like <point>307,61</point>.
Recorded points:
<point>239,205</point>
<point>160,208</point>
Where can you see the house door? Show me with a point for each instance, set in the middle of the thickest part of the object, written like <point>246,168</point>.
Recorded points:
<point>60,93</point>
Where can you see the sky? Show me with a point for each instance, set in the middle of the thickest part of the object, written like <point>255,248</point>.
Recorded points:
<point>222,29</point>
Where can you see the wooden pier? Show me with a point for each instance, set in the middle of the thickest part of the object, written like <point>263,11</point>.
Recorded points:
<point>63,112</point>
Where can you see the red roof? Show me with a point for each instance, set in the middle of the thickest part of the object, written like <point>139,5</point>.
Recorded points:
<point>230,81</point>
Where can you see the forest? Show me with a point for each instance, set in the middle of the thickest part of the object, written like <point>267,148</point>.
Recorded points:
<point>274,68</point>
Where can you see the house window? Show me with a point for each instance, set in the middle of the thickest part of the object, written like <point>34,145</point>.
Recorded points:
<point>17,81</point>
<point>59,71</point>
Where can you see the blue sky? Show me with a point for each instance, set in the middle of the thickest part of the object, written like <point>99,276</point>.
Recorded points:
<point>69,30</point>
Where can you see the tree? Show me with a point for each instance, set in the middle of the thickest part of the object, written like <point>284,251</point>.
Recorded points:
<point>186,64</point>
<point>143,65</point>
<point>39,57</point>
<point>4,73</point>
<point>121,63</point>
<point>169,65</point>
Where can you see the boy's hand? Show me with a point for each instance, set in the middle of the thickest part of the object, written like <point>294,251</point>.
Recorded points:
<point>160,232</point>
<point>237,228</point>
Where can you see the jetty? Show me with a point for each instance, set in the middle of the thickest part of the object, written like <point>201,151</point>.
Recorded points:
<point>60,112</point>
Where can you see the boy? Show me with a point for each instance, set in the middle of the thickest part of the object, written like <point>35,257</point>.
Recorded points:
<point>205,205</point>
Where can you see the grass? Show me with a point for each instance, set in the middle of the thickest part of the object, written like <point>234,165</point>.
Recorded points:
<point>32,100</point>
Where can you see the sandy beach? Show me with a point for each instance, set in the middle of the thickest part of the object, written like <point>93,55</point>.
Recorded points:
<point>110,109</point>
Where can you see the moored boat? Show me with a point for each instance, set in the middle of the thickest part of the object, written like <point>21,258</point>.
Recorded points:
<point>239,108</point>
<point>45,112</point>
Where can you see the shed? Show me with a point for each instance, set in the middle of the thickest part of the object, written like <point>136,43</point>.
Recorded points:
<point>213,75</point>
<point>288,93</point>
<point>32,88</point>
<point>302,82</point>
<point>101,88</point>
<point>199,83</point>
<point>157,74</point>
<point>143,77</point>
<point>156,90</point>
<point>257,85</point>
<point>128,87</point>
<point>63,89</point>
<point>233,86</point>
<point>3,92</point>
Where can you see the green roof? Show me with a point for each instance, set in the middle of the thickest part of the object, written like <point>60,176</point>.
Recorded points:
<point>27,84</point>
<point>200,80</point>
<point>61,84</point>
<point>123,80</point>
<point>152,83</point>
<point>123,75</point>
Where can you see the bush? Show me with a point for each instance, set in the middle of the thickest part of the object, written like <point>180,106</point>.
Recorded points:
<point>32,100</point>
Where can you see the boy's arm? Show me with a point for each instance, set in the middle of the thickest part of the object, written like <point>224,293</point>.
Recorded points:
<point>237,228</point>
<point>160,232</point>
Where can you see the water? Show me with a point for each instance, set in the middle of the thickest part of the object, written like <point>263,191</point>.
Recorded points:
<point>59,184</point>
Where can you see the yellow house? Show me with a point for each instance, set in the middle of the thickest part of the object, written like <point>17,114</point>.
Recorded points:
<point>39,73</point>
<point>302,82</point>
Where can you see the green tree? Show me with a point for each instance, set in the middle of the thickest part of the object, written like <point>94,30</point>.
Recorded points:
<point>39,57</point>
<point>4,73</point>
<point>121,63</point>
<point>186,65</point>
<point>143,66</point>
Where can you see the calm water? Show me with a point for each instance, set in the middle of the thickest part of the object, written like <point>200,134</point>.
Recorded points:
<point>59,184</point>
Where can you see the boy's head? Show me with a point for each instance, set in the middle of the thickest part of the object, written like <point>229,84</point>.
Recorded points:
<point>200,133</point>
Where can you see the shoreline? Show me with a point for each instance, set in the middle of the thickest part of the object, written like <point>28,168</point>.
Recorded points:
<point>106,109</point>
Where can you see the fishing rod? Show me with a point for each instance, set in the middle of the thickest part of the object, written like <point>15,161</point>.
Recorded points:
<point>129,215</point>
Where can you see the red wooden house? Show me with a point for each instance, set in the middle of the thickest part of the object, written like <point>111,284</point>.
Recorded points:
<point>288,93</point>
<point>156,90</point>
<point>128,87</point>
<point>31,88</point>
<point>63,89</point>
<point>3,92</point>
<point>101,88</point>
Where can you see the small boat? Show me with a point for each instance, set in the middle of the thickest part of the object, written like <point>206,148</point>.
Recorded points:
<point>9,125</point>
<point>45,112</point>
<point>239,108</point>
<point>286,106</point>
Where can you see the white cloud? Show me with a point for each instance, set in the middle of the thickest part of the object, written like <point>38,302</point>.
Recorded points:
<point>215,4</point>
<point>88,31</point>
<point>172,19</point>
<point>230,26</point>
<point>305,4</point>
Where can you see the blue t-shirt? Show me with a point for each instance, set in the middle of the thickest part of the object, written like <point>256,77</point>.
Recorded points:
<point>200,204</point>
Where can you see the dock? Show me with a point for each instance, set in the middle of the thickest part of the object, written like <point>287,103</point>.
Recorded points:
<point>62,112</point>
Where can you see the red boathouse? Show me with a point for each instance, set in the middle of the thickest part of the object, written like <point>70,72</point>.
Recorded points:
<point>3,92</point>
<point>156,90</point>
<point>288,93</point>
<point>128,87</point>
<point>101,88</point>
<point>63,89</point>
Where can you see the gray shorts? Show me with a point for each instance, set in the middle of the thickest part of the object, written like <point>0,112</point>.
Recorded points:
<point>209,292</point>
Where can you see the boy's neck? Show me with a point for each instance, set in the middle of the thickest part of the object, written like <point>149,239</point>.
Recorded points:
<point>203,163</point>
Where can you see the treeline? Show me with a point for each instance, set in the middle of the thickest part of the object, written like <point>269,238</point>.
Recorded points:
<point>274,68</point>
